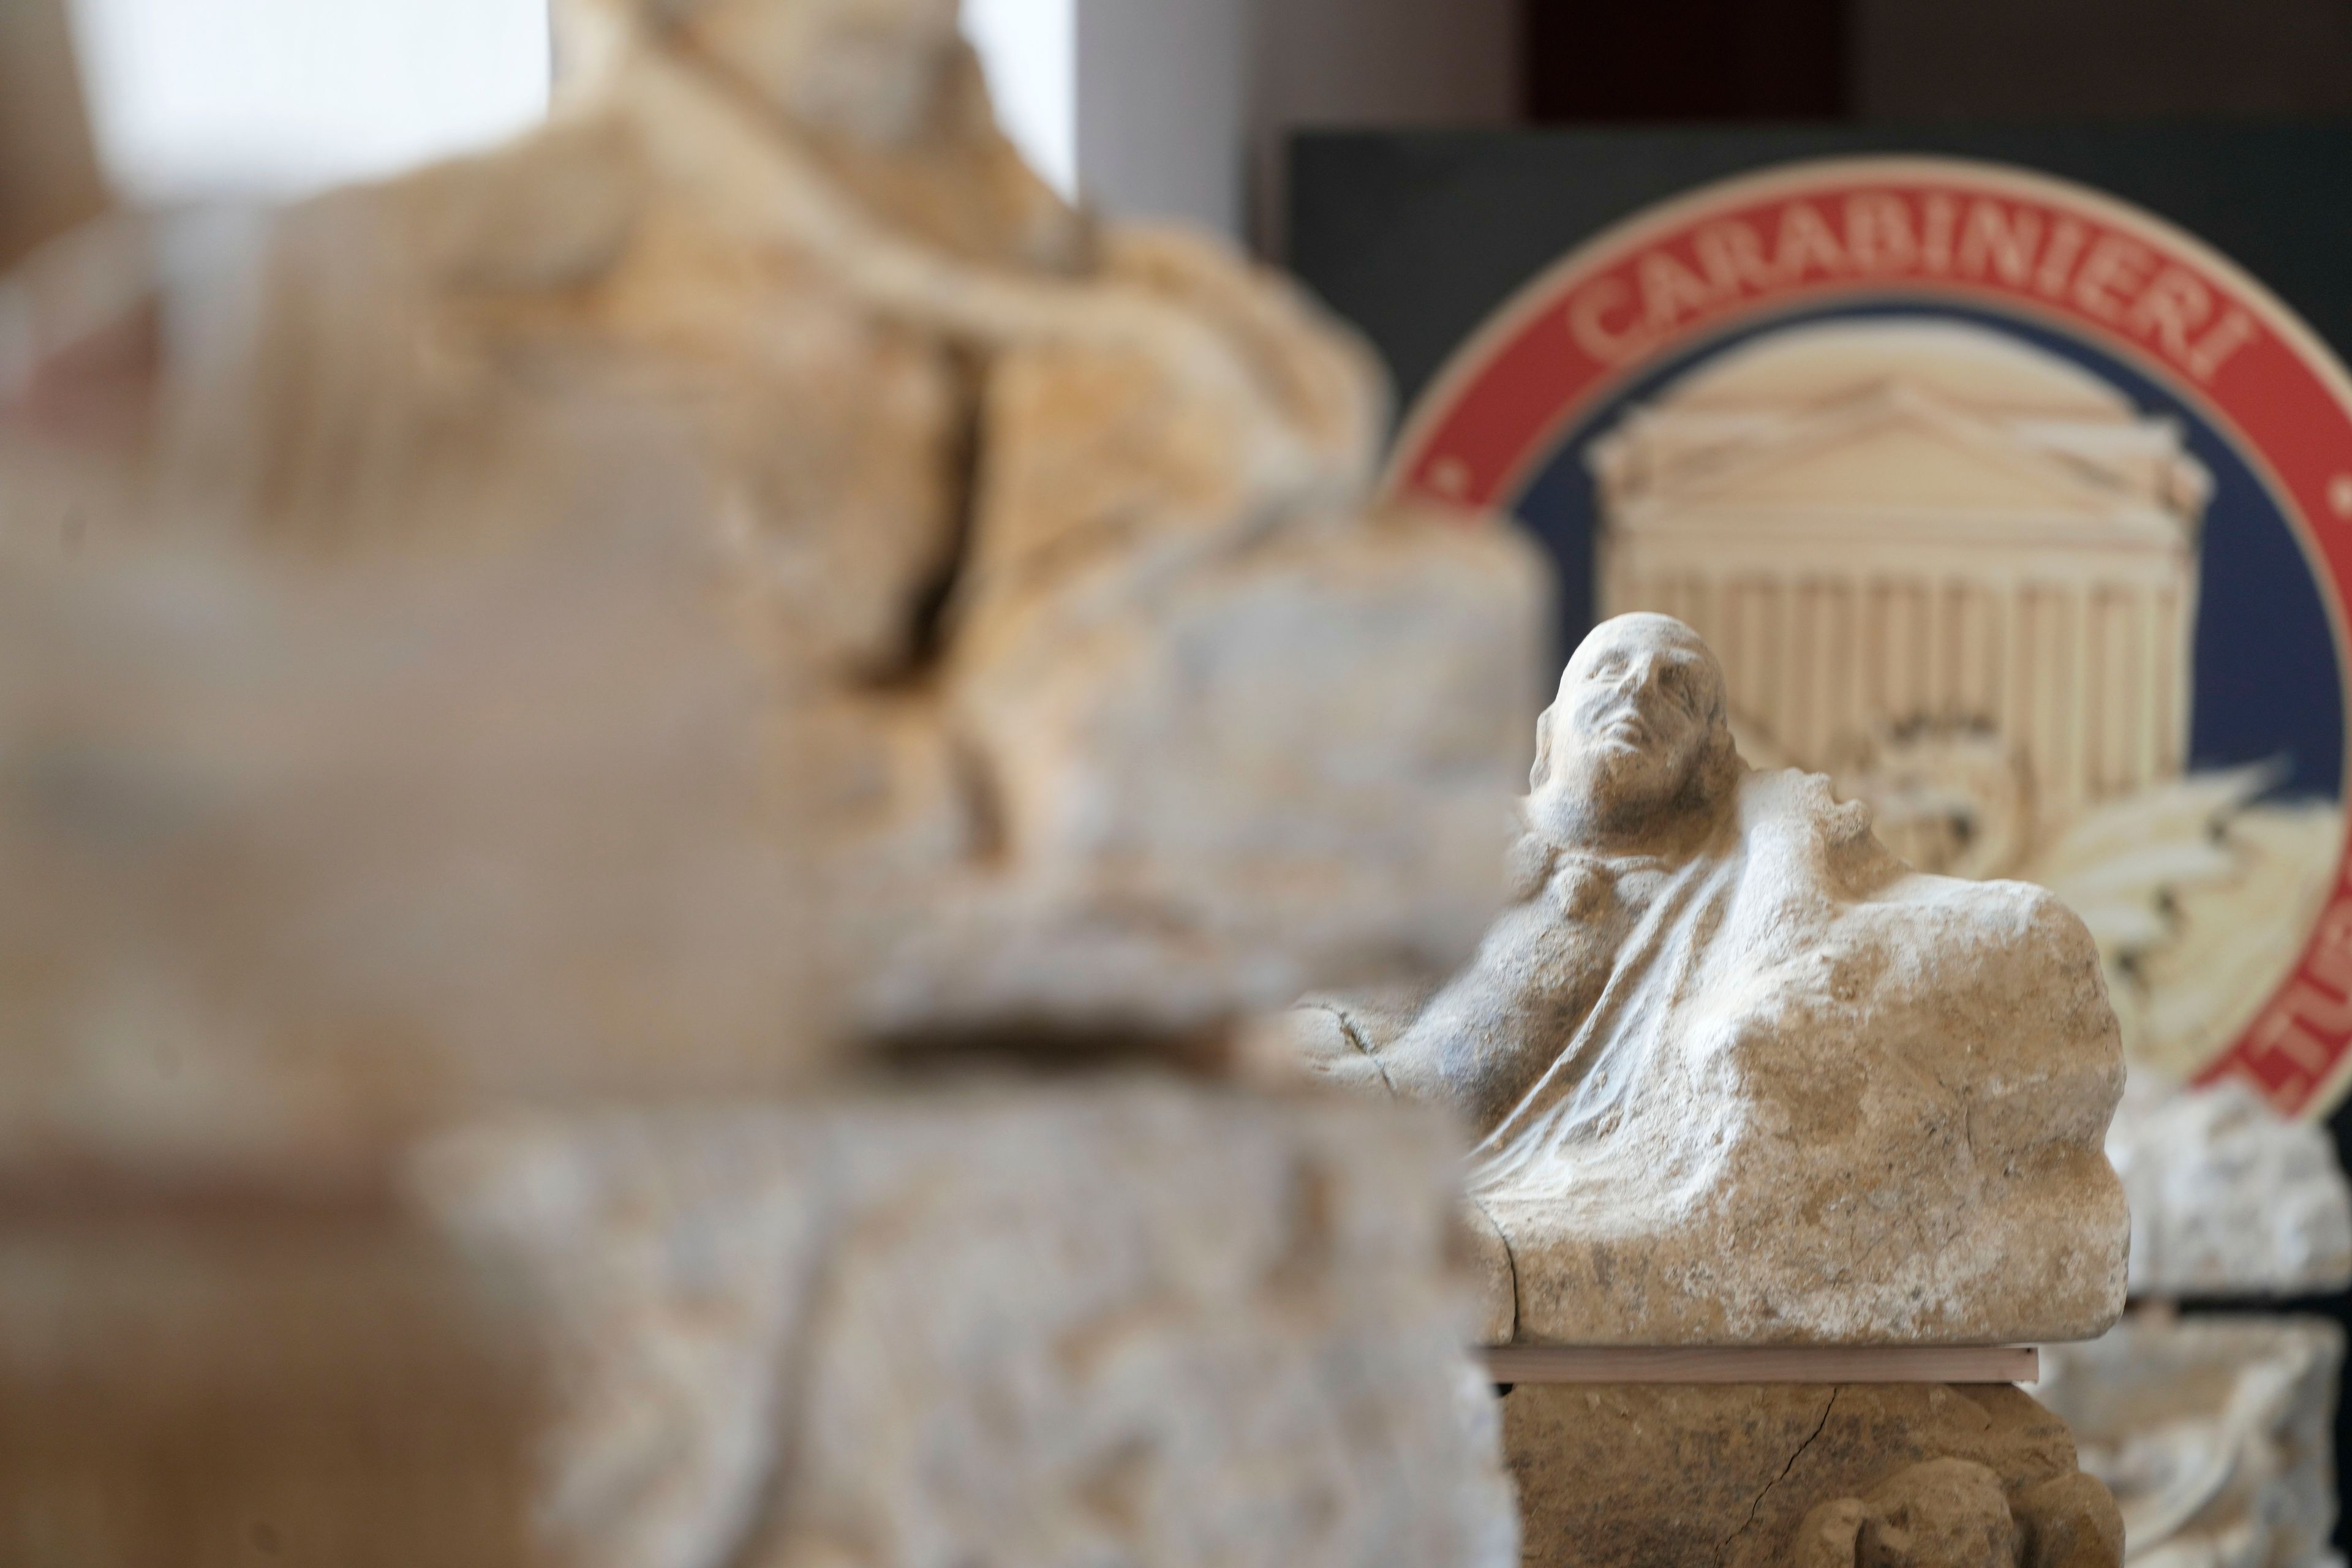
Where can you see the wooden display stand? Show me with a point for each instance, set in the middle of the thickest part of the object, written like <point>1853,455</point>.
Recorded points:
<point>1762,1363</point>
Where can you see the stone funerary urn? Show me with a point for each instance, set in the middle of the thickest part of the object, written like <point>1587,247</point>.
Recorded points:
<point>1737,1075</point>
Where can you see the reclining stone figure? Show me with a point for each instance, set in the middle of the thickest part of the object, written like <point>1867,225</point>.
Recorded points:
<point>1737,1075</point>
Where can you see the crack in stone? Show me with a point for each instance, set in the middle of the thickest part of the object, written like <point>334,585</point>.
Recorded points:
<point>1355,1038</point>
<point>1757,1503</point>
<point>1967,1114</point>
<point>1510,1259</point>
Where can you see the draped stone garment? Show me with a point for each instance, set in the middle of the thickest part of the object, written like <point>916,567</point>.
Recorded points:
<point>1784,1091</point>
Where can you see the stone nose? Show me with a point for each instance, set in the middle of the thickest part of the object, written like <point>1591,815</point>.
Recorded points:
<point>1638,676</point>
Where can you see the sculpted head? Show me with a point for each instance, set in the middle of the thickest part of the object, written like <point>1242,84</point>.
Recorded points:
<point>875,71</point>
<point>1638,742</point>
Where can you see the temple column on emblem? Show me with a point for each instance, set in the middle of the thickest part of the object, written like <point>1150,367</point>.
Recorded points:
<point>1749,1096</point>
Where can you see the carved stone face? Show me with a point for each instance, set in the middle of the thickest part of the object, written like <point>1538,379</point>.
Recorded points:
<point>1638,724</point>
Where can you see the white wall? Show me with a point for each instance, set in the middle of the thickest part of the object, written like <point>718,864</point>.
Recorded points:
<point>1030,51</point>
<point>200,98</point>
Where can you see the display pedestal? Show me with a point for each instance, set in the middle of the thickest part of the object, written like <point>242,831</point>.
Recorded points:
<point>1798,1475</point>
<point>1763,1363</point>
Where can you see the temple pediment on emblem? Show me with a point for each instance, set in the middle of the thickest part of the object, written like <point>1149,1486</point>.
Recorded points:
<point>1897,454</point>
<point>1891,526</point>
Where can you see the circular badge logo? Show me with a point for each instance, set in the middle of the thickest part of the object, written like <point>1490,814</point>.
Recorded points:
<point>2021,513</point>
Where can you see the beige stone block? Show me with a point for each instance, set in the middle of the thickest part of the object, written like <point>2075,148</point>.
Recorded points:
<point>309,859</point>
<point>1108,1322</point>
<point>1801,1476</point>
<point>1272,768</point>
<point>1118,1320</point>
<point>1118,710</point>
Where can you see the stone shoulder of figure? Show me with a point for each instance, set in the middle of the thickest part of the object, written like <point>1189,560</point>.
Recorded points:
<point>1529,863</point>
<point>1775,804</point>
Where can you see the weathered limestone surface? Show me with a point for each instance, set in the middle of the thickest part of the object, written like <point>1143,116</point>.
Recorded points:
<point>305,882</point>
<point>1116,1321</point>
<point>1802,1476</point>
<point>1737,1075</point>
<point>2228,1198</point>
<point>1099,1323</point>
<point>2214,1434</point>
<point>1101,699</point>
<point>305,859</point>
<point>1064,528</point>
<point>741,574</point>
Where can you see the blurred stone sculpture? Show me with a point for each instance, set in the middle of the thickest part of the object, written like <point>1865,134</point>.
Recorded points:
<point>310,857</point>
<point>2213,1431</point>
<point>585,658</point>
<point>1737,1074</point>
<point>1015,506</point>
<point>1066,1325</point>
<point>2228,1198</point>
